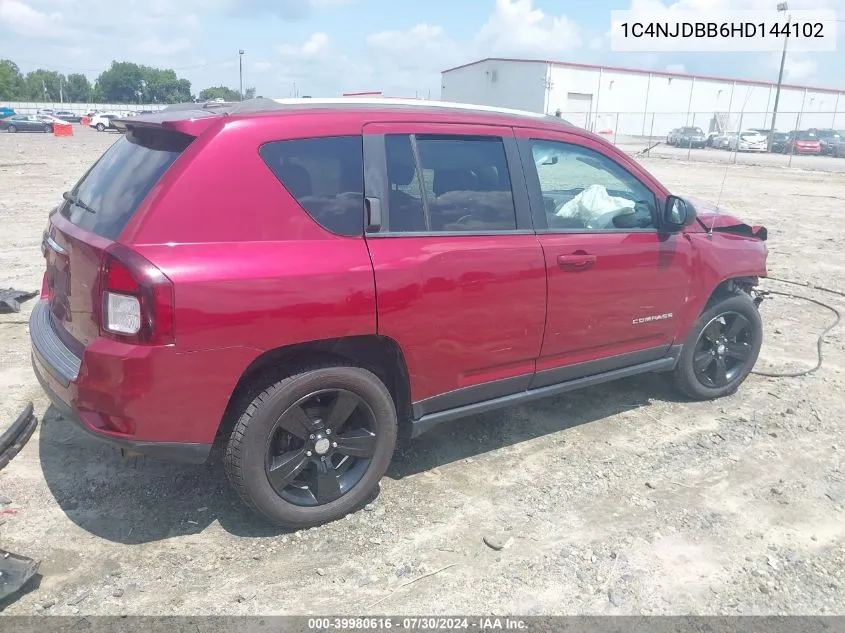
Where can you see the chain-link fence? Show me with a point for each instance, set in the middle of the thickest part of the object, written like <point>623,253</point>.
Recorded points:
<point>809,140</point>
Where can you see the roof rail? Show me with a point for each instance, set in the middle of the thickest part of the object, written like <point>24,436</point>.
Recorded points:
<point>413,103</point>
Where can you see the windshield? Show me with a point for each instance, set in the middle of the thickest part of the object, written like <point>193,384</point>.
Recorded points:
<point>120,180</point>
<point>806,136</point>
<point>692,130</point>
<point>750,135</point>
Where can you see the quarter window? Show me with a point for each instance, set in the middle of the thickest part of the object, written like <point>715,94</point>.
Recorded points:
<point>449,183</point>
<point>585,190</point>
<point>325,175</point>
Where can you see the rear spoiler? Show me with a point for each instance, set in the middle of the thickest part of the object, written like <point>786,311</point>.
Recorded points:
<point>191,121</point>
<point>193,118</point>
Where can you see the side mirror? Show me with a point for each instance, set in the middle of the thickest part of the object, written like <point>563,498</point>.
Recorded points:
<point>677,213</point>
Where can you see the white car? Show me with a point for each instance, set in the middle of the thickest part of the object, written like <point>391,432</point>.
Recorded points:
<point>722,140</point>
<point>102,121</point>
<point>749,141</point>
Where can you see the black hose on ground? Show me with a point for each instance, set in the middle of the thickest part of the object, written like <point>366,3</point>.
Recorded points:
<point>820,340</point>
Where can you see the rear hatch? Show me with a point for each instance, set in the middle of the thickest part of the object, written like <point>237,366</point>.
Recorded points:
<point>89,221</point>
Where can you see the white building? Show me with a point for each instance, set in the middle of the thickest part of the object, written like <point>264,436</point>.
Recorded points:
<point>639,102</point>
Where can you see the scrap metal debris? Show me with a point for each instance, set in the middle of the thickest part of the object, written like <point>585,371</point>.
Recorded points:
<point>16,570</point>
<point>11,299</point>
<point>13,439</point>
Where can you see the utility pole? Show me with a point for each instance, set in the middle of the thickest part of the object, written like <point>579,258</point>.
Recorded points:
<point>782,6</point>
<point>241,68</point>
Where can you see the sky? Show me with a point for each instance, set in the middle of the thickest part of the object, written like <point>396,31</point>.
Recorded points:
<point>328,47</point>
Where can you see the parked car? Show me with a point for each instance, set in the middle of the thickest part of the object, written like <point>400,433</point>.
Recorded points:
<point>6,112</point>
<point>779,141</point>
<point>802,142</point>
<point>748,141</point>
<point>671,138</point>
<point>828,138</point>
<point>690,137</point>
<point>839,146</point>
<point>67,117</point>
<point>174,309</point>
<point>102,121</point>
<point>47,111</point>
<point>723,140</point>
<point>26,123</point>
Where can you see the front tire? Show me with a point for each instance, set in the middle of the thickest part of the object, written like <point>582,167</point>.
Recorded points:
<point>312,447</point>
<point>12,129</point>
<point>100,127</point>
<point>721,349</point>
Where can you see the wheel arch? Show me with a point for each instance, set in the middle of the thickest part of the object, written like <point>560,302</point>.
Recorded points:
<point>724,288</point>
<point>379,354</point>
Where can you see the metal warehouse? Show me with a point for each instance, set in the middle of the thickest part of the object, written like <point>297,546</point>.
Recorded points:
<point>629,101</point>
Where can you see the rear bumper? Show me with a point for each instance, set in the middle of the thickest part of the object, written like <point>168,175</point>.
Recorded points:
<point>191,453</point>
<point>116,382</point>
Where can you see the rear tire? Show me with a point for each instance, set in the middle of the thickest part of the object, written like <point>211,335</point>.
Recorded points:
<point>12,129</point>
<point>716,360</point>
<point>336,464</point>
<point>100,127</point>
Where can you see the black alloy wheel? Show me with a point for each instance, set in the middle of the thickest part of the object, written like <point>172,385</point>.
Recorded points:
<point>312,447</point>
<point>320,447</point>
<point>723,350</point>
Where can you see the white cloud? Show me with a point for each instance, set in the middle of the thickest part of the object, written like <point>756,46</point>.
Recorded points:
<point>314,46</point>
<point>316,43</point>
<point>262,66</point>
<point>676,68</point>
<point>799,67</point>
<point>25,20</point>
<point>418,35</point>
<point>517,28</point>
<point>156,46</point>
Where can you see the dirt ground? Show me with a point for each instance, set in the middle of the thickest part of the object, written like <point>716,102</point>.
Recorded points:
<point>621,499</point>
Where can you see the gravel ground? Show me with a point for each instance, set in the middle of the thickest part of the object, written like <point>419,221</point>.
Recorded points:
<point>620,499</point>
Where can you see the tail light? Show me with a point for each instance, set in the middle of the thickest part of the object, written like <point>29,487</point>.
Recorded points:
<point>137,299</point>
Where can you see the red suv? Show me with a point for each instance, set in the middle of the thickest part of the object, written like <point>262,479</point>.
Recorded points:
<point>309,281</point>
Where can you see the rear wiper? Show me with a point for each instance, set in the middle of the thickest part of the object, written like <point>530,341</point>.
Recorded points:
<point>74,200</point>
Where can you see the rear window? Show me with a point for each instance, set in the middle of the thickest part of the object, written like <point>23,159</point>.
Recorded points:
<point>326,176</point>
<point>118,182</point>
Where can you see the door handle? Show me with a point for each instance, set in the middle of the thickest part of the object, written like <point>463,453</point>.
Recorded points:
<point>575,263</point>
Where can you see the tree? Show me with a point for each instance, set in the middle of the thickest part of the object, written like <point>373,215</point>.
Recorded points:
<point>126,82</point>
<point>78,88</point>
<point>162,86</point>
<point>122,83</point>
<point>43,85</point>
<point>249,93</point>
<point>11,81</point>
<point>219,92</point>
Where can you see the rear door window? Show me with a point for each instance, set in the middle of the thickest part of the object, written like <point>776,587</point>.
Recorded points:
<point>458,184</point>
<point>325,176</point>
<point>118,182</point>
